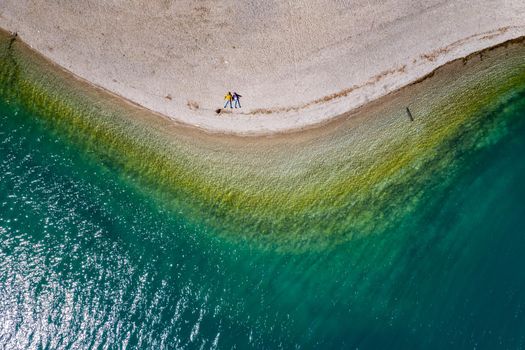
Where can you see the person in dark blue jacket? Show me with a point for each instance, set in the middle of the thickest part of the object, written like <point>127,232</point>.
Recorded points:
<point>237,100</point>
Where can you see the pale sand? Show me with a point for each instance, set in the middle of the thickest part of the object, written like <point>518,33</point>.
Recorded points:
<point>296,64</point>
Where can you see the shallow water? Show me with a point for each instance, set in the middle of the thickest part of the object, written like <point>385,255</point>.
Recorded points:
<point>90,259</point>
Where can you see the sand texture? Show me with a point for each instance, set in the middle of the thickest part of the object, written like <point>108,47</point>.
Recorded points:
<point>296,63</point>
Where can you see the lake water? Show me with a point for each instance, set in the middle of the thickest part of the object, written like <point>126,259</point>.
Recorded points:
<point>89,259</point>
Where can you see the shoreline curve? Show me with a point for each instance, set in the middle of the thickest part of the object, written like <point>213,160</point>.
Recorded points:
<point>274,190</point>
<point>297,65</point>
<point>278,131</point>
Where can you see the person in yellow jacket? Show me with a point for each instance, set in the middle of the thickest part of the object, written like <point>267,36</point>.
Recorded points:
<point>228,98</point>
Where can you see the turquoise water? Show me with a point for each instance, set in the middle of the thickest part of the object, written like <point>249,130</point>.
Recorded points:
<point>88,259</point>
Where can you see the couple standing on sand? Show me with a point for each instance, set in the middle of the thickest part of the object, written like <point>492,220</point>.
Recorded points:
<point>235,98</point>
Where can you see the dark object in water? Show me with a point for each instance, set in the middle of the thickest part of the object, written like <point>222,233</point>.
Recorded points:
<point>410,115</point>
<point>12,39</point>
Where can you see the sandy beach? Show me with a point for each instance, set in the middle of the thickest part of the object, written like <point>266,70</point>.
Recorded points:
<point>295,64</point>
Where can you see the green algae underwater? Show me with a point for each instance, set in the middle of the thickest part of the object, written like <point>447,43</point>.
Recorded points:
<point>119,229</point>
